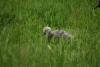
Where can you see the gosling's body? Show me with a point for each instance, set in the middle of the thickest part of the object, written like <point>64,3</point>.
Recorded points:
<point>56,33</point>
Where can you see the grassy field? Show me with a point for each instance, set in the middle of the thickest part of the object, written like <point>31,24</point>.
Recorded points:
<point>23,45</point>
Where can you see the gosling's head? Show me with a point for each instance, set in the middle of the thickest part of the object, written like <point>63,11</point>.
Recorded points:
<point>46,30</point>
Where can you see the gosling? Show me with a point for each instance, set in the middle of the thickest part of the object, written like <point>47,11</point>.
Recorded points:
<point>56,34</point>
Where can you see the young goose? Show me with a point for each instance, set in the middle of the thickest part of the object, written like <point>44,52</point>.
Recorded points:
<point>55,33</point>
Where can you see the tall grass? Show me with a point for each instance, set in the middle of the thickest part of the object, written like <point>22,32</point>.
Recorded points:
<point>22,43</point>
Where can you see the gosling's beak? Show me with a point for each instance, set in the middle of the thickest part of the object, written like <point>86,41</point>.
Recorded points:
<point>44,33</point>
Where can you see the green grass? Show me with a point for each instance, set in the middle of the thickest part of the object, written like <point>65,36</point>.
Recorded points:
<point>23,45</point>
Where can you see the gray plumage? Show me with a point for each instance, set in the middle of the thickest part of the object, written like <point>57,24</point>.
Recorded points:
<point>56,33</point>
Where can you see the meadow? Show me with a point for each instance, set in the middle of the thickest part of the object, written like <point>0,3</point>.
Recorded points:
<point>22,43</point>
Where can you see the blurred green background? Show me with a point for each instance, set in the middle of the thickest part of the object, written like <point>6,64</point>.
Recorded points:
<point>23,45</point>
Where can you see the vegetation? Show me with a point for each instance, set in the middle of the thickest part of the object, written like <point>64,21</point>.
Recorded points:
<point>23,45</point>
